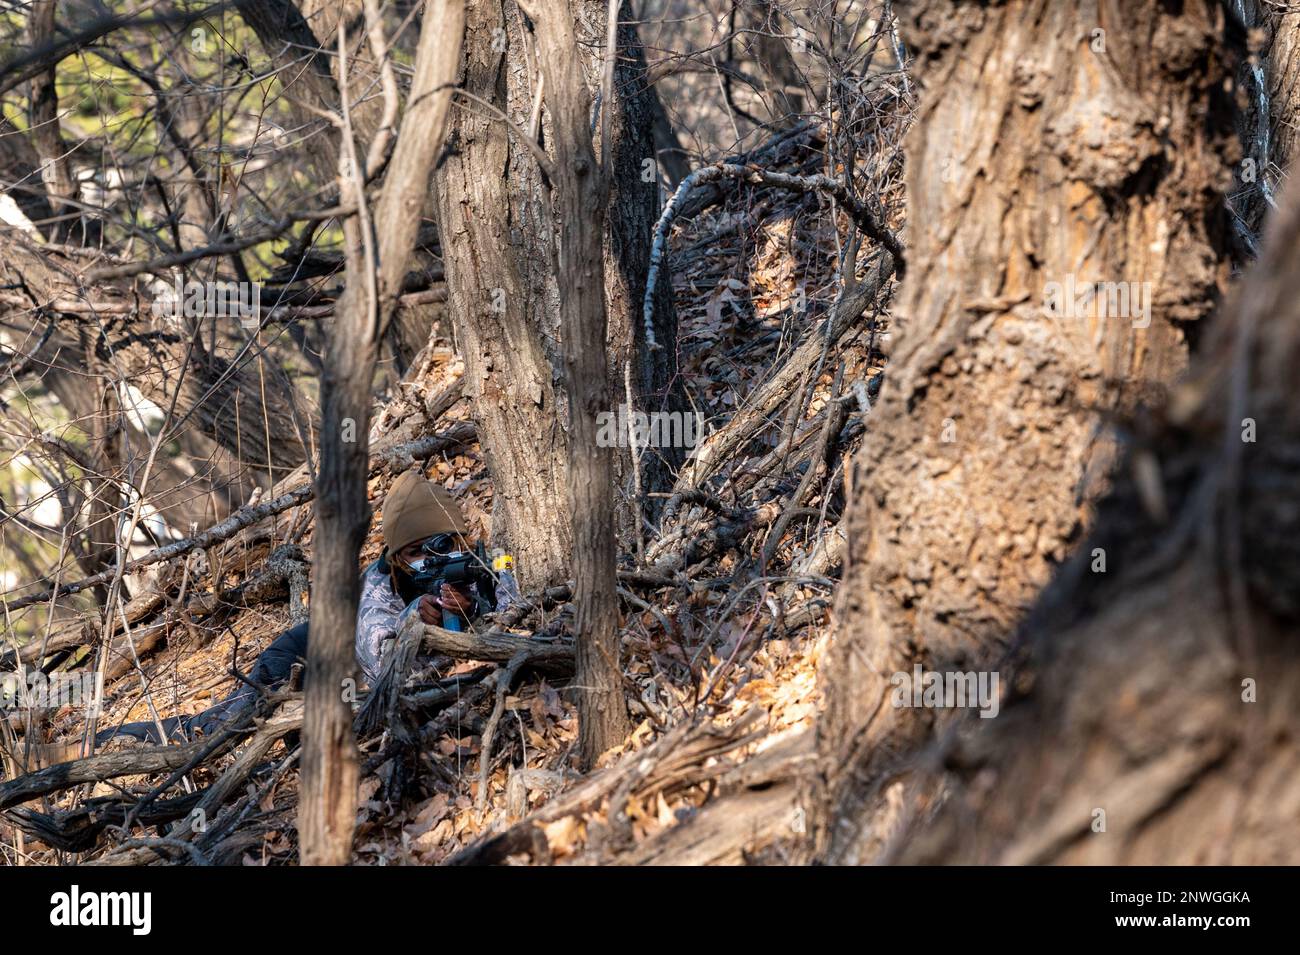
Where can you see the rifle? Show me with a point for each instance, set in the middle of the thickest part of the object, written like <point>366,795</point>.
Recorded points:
<point>460,567</point>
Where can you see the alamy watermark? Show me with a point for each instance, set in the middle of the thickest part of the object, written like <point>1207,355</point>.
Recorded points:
<point>76,907</point>
<point>1071,298</point>
<point>952,689</point>
<point>654,429</point>
<point>192,299</point>
<point>34,689</point>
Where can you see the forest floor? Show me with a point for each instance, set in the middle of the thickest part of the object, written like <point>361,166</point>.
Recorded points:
<point>720,653</point>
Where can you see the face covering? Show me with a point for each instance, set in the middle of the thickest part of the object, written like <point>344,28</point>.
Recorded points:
<point>403,584</point>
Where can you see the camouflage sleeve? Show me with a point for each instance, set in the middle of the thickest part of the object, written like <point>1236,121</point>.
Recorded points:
<point>380,614</point>
<point>507,591</point>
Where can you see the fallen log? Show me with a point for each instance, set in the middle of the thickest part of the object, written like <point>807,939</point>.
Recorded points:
<point>724,832</point>
<point>140,761</point>
<point>492,646</point>
<point>93,769</point>
<point>757,804</point>
<point>495,646</point>
<point>78,829</point>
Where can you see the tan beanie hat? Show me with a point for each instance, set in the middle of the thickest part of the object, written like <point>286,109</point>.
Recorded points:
<point>417,508</point>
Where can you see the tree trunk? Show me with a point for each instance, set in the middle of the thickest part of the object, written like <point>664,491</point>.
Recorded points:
<point>330,769</point>
<point>497,240</point>
<point>377,253</point>
<point>1056,143</point>
<point>1283,87</point>
<point>1157,722</point>
<point>631,211</point>
<point>499,246</point>
<point>579,192</point>
<point>43,118</point>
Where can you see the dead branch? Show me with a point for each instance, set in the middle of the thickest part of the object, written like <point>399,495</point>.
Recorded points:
<point>93,769</point>
<point>554,657</point>
<point>287,719</point>
<point>490,646</point>
<point>78,829</point>
<point>248,516</point>
<point>756,802</point>
<point>686,744</point>
<point>835,415</point>
<point>796,145</point>
<point>723,443</point>
<point>866,220</point>
<point>504,678</point>
<point>236,522</point>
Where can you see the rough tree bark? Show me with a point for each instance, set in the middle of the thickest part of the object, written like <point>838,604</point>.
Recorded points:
<point>1283,60</point>
<point>1156,719</point>
<point>495,235</point>
<point>631,209</point>
<point>1055,143</point>
<point>499,244</point>
<point>579,190</point>
<point>377,253</point>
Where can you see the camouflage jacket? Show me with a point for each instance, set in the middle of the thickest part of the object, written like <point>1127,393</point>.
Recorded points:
<point>382,612</point>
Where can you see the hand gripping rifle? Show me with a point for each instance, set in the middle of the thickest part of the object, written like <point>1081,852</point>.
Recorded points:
<point>459,567</point>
